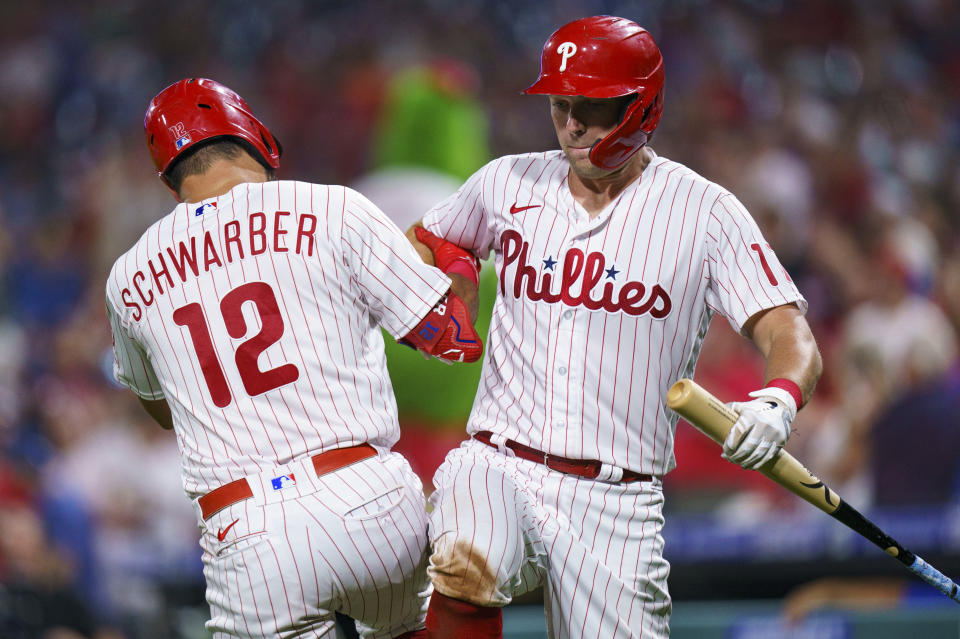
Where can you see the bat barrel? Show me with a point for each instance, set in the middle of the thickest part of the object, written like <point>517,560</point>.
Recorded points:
<point>710,416</point>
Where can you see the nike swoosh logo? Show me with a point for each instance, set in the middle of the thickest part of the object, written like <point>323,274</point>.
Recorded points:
<point>514,209</point>
<point>223,533</point>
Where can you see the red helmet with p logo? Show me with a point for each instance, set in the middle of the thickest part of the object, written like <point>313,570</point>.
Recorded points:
<point>607,57</point>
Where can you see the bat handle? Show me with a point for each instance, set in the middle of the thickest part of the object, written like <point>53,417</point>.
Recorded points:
<point>935,578</point>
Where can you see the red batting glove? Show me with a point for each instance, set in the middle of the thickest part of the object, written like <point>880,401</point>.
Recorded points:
<point>447,333</point>
<point>449,257</point>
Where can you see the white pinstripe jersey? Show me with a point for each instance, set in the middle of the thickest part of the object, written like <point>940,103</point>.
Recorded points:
<point>595,319</point>
<point>256,313</point>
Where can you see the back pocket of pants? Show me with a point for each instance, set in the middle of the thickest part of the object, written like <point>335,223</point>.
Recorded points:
<point>377,506</point>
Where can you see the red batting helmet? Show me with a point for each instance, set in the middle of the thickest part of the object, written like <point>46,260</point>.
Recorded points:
<point>196,109</point>
<point>607,57</point>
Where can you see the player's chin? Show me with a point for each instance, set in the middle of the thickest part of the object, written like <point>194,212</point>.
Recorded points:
<point>583,167</point>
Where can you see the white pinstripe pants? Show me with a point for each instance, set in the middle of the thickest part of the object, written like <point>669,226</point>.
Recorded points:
<point>596,547</point>
<point>353,540</point>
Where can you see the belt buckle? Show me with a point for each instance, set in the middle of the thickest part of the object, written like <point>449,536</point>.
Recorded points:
<point>546,462</point>
<point>550,462</point>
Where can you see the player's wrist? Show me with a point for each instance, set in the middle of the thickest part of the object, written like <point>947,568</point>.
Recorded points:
<point>789,386</point>
<point>463,266</point>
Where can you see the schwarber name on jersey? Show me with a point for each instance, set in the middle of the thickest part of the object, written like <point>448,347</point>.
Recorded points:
<point>256,313</point>
<point>585,335</point>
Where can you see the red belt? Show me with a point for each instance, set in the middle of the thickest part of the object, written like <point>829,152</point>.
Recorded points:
<point>325,462</point>
<point>589,468</point>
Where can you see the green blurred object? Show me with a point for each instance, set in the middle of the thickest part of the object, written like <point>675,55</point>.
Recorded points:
<point>431,118</point>
<point>430,391</point>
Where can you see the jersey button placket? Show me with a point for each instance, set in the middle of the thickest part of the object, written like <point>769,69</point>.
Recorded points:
<point>567,369</point>
<point>565,345</point>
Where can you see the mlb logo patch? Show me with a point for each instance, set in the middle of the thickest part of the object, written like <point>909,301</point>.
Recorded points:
<point>203,207</point>
<point>180,132</point>
<point>283,481</point>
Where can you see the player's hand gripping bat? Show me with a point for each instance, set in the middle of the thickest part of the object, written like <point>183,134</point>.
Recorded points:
<point>714,419</point>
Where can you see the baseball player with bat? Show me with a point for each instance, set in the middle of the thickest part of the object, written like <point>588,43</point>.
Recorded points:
<point>248,321</point>
<point>612,260</point>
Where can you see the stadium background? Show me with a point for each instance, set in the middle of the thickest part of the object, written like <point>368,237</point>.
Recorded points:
<point>836,122</point>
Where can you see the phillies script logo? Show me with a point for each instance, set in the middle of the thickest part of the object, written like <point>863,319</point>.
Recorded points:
<point>579,276</point>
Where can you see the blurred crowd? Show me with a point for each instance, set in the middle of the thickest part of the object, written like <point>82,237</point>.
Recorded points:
<point>837,123</point>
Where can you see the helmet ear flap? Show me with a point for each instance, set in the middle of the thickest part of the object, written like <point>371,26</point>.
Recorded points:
<point>651,116</point>
<point>620,144</point>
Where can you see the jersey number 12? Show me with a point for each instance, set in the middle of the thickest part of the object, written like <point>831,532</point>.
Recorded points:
<point>255,381</point>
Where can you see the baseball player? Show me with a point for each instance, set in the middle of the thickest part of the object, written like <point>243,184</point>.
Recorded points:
<point>247,321</point>
<point>612,261</point>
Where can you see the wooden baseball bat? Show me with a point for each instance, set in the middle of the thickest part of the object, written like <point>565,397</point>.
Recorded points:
<point>715,419</point>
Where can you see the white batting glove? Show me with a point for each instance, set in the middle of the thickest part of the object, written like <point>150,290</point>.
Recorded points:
<point>762,429</point>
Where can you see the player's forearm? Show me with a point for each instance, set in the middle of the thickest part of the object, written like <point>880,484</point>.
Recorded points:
<point>791,353</point>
